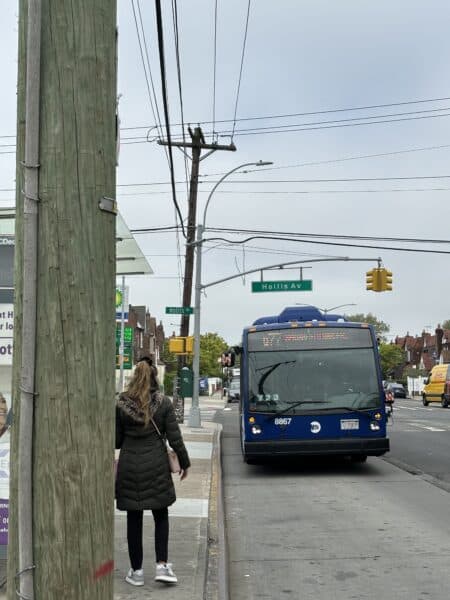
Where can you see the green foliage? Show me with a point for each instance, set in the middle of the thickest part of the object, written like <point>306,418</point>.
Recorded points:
<point>380,327</point>
<point>171,362</point>
<point>211,348</point>
<point>446,324</point>
<point>391,357</point>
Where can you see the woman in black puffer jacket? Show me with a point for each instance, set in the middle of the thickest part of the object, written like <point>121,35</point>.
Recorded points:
<point>144,480</point>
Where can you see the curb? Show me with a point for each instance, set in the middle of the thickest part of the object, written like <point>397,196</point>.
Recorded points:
<point>216,575</point>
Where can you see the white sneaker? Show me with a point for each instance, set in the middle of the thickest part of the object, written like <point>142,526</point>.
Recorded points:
<point>135,577</point>
<point>165,574</point>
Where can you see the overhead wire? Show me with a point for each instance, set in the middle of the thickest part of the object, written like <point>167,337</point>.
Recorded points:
<point>154,106</point>
<point>311,113</point>
<point>277,181</point>
<point>180,94</point>
<point>307,241</point>
<point>214,73</point>
<point>166,107</point>
<point>241,68</point>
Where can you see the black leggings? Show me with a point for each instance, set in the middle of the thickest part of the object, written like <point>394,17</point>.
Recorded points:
<point>134,536</point>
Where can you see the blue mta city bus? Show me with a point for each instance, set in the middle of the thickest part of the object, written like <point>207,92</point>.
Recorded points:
<point>311,385</point>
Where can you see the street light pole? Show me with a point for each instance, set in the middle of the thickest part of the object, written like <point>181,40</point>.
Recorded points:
<point>194,416</point>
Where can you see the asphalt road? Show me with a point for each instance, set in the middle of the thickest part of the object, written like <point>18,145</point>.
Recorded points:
<point>327,529</point>
<point>420,440</point>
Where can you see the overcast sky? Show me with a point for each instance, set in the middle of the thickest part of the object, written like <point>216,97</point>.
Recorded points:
<point>301,56</point>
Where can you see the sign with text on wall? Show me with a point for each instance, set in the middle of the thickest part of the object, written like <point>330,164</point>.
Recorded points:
<point>6,333</point>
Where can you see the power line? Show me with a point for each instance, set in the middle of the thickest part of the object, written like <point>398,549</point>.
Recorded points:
<point>244,133</point>
<point>331,236</point>
<point>214,72</point>
<point>305,241</point>
<point>166,108</point>
<point>145,67</point>
<point>337,160</point>
<point>180,94</point>
<point>241,67</point>
<point>302,192</point>
<point>311,113</point>
<point>347,120</point>
<point>265,181</point>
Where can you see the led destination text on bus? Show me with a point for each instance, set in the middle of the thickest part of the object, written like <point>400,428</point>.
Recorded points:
<point>309,339</point>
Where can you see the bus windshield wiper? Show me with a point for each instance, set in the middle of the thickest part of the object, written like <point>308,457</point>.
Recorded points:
<point>355,410</point>
<point>271,369</point>
<point>290,407</point>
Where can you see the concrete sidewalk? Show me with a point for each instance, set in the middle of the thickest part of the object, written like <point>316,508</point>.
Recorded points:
<point>194,525</point>
<point>196,539</point>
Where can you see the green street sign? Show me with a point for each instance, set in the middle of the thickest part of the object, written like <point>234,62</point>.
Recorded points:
<point>127,358</point>
<point>179,310</point>
<point>305,285</point>
<point>127,335</point>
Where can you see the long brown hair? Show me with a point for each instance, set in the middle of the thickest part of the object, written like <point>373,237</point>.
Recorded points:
<point>143,383</point>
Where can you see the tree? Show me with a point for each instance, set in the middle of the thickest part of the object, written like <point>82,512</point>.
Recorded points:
<point>446,324</point>
<point>392,357</point>
<point>381,328</point>
<point>211,348</point>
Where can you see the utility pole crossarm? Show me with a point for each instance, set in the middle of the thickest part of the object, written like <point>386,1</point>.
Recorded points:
<point>230,147</point>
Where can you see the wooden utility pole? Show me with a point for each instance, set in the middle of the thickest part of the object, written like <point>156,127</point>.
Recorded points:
<point>197,144</point>
<point>74,382</point>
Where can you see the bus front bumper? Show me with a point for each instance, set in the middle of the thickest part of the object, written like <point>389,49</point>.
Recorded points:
<point>362,446</point>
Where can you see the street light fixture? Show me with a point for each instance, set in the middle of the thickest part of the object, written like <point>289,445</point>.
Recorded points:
<point>327,310</point>
<point>194,416</point>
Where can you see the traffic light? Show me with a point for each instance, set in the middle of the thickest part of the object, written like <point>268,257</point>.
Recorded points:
<point>373,280</point>
<point>176,345</point>
<point>386,280</point>
<point>190,344</point>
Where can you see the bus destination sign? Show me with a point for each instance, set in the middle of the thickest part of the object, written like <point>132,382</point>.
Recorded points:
<point>310,338</point>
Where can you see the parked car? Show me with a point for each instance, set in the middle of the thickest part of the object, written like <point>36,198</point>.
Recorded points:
<point>396,389</point>
<point>234,391</point>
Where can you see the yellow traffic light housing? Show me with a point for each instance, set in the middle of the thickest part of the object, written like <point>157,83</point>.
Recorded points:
<point>373,280</point>
<point>379,280</point>
<point>176,345</point>
<point>387,281</point>
<point>189,344</point>
<point>181,345</point>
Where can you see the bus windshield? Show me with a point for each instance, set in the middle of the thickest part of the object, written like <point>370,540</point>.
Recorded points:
<point>298,381</point>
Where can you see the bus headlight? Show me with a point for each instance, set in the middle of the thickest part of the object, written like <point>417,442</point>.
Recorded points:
<point>377,416</point>
<point>256,429</point>
<point>374,426</point>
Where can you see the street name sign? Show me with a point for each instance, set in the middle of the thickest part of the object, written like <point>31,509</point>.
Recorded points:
<point>305,285</point>
<point>179,310</point>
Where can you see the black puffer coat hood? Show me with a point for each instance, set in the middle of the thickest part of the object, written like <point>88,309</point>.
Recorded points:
<point>144,480</point>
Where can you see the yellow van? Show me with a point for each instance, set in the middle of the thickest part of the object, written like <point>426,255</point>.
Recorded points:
<point>437,386</point>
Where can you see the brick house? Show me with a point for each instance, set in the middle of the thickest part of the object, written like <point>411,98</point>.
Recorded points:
<point>426,350</point>
<point>148,337</point>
